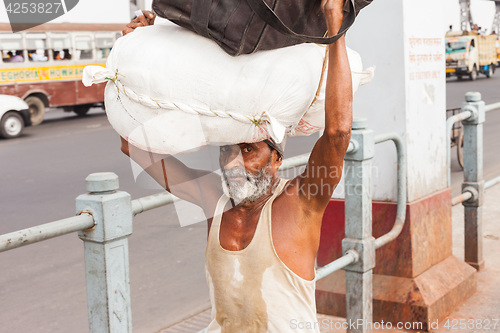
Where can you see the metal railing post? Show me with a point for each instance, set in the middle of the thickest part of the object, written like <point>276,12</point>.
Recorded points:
<point>358,229</point>
<point>473,180</point>
<point>106,253</point>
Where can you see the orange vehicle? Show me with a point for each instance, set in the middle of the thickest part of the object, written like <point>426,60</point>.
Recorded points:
<point>44,65</point>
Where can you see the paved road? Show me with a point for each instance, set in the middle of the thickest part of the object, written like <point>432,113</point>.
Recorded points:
<point>42,287</point>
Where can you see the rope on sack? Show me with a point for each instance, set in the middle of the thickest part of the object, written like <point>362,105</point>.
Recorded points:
<point>97,74</point>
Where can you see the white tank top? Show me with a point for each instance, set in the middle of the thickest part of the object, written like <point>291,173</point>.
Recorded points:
<point>252,290</point>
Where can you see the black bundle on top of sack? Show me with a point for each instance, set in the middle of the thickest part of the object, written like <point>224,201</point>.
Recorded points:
<point>171,90</point>
<point>246,26</point>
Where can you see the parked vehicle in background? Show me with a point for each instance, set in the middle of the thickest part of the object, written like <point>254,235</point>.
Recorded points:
<point>44,65</point>
<point>498,52</point>
<point>469,53</point>
<point>14,116</point>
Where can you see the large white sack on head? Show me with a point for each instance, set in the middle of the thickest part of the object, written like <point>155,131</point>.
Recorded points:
<point>172,91</point>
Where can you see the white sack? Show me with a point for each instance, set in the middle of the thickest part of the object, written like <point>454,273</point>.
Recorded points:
<point>172,91</point>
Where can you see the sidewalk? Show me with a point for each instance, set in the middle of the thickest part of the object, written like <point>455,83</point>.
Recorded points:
<point>483,307</point>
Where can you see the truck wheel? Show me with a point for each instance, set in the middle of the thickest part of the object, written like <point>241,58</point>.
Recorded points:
<point>81,110</point>
<point>473,74</point>
<point>37,109</point>
<point>11,125</point>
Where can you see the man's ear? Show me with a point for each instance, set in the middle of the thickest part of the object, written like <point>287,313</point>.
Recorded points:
<point>277,157</point>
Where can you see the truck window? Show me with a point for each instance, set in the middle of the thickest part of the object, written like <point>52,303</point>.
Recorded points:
<point>455,47</point>
<point>61,47</point>
<point>83,47</point>
<point>11,47</point>
<point>36,44</point>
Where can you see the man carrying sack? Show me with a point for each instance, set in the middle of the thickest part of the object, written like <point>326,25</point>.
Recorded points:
<point>264,234</point>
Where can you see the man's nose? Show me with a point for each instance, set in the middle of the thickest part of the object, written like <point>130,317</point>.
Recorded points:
<point>233,158</point>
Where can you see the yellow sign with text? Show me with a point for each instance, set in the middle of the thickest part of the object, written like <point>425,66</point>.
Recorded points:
<point>37,74</point>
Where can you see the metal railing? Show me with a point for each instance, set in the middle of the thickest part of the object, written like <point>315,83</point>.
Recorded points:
<point>45,231</point>
<point>105,218</point>
<point>473,116</point>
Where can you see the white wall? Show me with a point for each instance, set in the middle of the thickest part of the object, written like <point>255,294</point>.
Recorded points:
<point>90,11</point>
<point>397,37</point>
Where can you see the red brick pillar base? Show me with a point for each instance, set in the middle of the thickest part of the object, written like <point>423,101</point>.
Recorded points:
<point>416,278</point>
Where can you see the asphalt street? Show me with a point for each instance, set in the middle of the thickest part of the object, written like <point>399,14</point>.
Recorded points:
<point>42,286</point>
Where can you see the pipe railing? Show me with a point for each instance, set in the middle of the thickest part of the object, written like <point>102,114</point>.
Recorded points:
<point>473,186</point>
<point>492,107</point>
<point>45,231</point>
<point>401,202</point>
<point>351,255</point>
<point>467,192</point>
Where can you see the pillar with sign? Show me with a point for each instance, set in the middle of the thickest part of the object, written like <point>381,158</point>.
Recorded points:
<point>416,278</point>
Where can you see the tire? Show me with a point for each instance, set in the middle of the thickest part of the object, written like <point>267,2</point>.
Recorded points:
<point>37,109</point>
<point>11,125</point>
<point>473,74</point>
<point>460,148</point>
<point>81,110</point>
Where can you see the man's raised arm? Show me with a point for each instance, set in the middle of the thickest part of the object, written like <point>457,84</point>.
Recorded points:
<point>324,169</point>
<point>200,187</point>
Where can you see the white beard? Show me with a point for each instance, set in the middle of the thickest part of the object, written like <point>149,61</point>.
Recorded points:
<point>252,189</point>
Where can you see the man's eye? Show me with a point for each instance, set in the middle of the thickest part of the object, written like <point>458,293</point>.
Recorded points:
<point>223,148</point>
<point>247,149</point>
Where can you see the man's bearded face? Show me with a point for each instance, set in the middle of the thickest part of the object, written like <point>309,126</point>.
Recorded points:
<point>245,187</point>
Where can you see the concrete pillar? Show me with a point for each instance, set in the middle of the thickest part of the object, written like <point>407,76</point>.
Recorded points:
<point>416,277</point>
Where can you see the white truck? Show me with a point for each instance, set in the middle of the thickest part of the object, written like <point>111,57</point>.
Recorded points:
<point>469,53</point>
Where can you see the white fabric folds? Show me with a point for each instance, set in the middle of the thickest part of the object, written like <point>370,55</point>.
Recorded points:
<point>171,91</point>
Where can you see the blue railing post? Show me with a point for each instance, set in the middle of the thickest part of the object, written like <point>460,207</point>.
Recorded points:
<point>473,180</point>
<point>358,228</point>
<point>106,253</point>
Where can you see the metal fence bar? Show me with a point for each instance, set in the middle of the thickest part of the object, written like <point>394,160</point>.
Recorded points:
<point>152,201</point>
<point>492,182</point>
<point>358,228</point>
<point>350,257</point>
<point>492,107</point>
<point>294,162</point>
<point>468,193</point>
<point>45,231</point>
<point>401,204</point>
<point>461,198</point>
<point>473,179</point>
